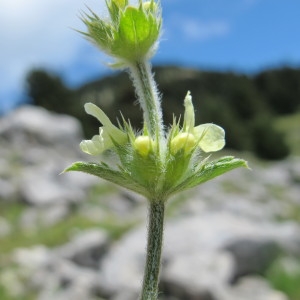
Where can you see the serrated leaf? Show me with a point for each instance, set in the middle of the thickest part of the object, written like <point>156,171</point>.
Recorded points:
<point>101,170</point>
<point>209,171</point>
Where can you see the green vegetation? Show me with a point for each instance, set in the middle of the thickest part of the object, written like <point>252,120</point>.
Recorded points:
<point>5,296</point>
<point>285,278</point>
<point>11,211</point>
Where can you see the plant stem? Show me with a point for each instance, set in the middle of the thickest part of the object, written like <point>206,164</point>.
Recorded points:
<point>148,97</point>
<point>154,248</point>
<point>149,100</point>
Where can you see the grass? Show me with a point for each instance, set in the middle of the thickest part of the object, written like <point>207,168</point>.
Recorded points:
<point>285,280</point>
<point>5,296</point>
<point>293,214</point>
<point>11,211</point>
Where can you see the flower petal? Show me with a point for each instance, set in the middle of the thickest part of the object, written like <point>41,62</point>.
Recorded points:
<point>98,113</point>
<point>211,137</point>
<point>94,146</point>
<point>189,113</point>
<point>108,130</point>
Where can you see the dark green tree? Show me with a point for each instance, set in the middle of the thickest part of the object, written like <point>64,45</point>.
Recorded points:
<point>48,91</point>
<point>281,89</point>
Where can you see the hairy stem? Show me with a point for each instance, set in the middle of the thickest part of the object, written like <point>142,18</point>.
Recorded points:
<point>148,98</point>
<point>154,248</point>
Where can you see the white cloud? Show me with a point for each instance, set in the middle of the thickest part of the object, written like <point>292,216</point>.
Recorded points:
<point>38,33</point>
<point>203,30</point>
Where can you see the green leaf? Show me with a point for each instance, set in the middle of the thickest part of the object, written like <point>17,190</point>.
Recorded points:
<point>209,171</point>
<point>103,171</point>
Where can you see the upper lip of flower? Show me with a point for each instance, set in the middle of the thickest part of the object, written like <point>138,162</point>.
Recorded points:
<point>210,137</point>
<point>109,134</point>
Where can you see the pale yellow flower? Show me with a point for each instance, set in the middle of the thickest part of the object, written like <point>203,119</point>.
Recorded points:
<point>108,133</point>
<point>209,137</point>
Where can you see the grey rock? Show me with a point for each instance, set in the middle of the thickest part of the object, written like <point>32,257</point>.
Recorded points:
<point>197,275</point>
<point>122,206</point>
<point>34,218</point>
<point>250,288</point>
<point>43,189</point>
<point>7,190</point>
<point>276,174</point>
<point>190,236</point>
<point>252,256</point>
<point>66,281</point>
<point>215,230</point>
<point>54,277</point>
<point>294,169</point>
<point>86,249</point>
<point>122,267</point>
<point>35,125</point>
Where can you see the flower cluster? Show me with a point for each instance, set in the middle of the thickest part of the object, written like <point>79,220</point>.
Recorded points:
<point>143,169</point>
<point>208,137</point>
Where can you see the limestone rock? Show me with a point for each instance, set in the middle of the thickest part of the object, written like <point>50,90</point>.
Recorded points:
<point>35,125</point>
<point>189,239</point>
<point>250,288</point>
<point>197,275</point>
<point>252,256</point>
<point>86,249</point>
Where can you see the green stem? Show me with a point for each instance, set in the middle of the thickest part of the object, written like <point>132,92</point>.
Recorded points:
<point>154,248</point>
<point>148,97</point>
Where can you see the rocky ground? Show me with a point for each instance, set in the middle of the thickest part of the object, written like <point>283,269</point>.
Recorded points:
<point>72,236</point>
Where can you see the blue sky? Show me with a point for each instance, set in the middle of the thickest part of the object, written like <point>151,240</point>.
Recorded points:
<point>237,35</point>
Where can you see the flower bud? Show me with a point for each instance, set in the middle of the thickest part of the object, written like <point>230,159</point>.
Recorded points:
<point>143,144</point>
<point>132,33</point>
<point>183,140</point>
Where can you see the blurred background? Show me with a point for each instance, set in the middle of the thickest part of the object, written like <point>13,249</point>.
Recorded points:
<point>60,236</point>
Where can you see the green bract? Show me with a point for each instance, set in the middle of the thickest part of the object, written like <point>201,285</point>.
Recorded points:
<point>131,33</point>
